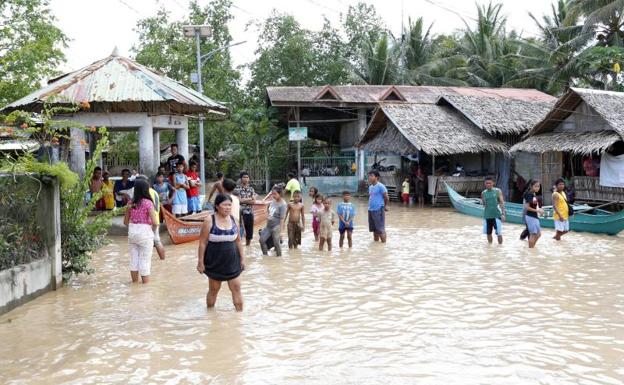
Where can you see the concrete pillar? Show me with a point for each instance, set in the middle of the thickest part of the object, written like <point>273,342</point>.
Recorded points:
<point>77,160</point>
<point>50,219</point>
<point>361,154</point>
<point>146,148</point>
<point>156,141</point>
<point>182,141</point>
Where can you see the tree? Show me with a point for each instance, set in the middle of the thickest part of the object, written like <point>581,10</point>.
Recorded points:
<point>604,20</point>
<point>31,47</point>
<point>380,62</point>
<point>362,26</point>
<point>557,63</point>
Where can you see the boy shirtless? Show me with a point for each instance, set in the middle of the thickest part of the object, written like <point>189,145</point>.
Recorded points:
<point>296,220</point>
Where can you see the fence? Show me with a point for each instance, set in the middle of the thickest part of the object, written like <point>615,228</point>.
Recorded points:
<point>30,243</point>
<point>328,166</point>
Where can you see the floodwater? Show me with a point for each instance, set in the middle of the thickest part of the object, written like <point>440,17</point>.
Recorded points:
<point>436,305</point>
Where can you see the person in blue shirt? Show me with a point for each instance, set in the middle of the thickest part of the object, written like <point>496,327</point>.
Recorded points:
<point>377,201</point>
<point>346,213</point>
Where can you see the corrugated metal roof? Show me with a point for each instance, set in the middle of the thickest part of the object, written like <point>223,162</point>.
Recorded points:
<point>118,84</point>
<point>372,95</point>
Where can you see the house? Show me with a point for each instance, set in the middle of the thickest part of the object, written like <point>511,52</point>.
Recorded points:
<point>584,129</point>
<point>337,118</point>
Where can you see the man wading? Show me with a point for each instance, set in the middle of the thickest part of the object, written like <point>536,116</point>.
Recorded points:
<point>493,210</point>
<point>377,201</point>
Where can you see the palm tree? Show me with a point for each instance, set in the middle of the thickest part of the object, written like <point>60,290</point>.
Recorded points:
<point>555,62</point>
<point>380,62</point>
<point>604,20</point>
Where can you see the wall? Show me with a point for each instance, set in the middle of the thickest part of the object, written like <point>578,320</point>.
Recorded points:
<point>584,119</point>
<point>25,282</point>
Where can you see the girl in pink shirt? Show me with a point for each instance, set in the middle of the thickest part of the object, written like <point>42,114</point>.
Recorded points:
<point>141,219</point>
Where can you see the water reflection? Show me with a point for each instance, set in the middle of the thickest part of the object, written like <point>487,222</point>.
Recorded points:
<point>436,305</point>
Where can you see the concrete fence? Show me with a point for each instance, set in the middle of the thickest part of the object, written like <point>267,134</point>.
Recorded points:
<point>22,283</point>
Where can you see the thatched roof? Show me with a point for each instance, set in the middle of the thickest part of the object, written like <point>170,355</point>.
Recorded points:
<point>118,84</point>
<point>578,142</point>
<point>436,130</point>
<point>353,96</point>
<point>608,105</point>
<point>498,115</point>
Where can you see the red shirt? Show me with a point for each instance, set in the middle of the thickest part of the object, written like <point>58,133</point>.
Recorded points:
<point>193,177</point>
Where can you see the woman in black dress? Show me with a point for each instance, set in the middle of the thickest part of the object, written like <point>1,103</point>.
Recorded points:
<point>220,254</point>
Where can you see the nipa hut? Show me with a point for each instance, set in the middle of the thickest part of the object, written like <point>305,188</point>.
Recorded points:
<point>583,130</point>
<point>474,129</point>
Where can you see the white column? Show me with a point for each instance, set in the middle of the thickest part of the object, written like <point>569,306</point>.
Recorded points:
<point>77,160</point>
<point>182,141</point>
<point>146,148</point>
<point>156,140</point>
<point>361,152</point>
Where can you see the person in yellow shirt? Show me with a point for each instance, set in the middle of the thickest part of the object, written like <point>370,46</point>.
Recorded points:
<point>560,206</point>
<point>107,189</point>
<point>405,191</point>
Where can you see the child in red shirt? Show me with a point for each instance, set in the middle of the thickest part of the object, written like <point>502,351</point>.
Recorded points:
<point>192,194</point>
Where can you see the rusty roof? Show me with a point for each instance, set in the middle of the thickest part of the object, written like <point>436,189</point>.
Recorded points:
<point>350,96</point>
<point>118,84</point>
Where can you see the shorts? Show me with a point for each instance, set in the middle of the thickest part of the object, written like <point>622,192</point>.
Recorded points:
<point>489,224</point>
<point>342,228</point>
<point>193,204</point>
<point>562,226</point>
<point>405,197</point>
<point>325,231</point>
<point>140,244</point>
<point>533,224</point>
<point>377,221</point>
<point>179,208</point>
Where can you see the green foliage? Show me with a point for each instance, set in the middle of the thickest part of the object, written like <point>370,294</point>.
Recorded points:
<point>30,47</point>
<point>20,240</point>
<point>81,234</point>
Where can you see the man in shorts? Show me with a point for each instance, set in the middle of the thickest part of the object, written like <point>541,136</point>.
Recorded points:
<point>493,210</point>
<point>377,201</point>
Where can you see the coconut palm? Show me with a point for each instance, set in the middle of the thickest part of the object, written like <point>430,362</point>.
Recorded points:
<point>380,62</point>
<point>554,62</point>
<point>604,20</point>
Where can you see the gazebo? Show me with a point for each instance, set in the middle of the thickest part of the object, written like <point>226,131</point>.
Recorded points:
<point>124,96</point>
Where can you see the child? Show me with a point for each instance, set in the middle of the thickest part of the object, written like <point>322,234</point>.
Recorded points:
<point>406,191</point>
<point>346,212</point>
<point>107,189</point>
<point>270,236</point>
<point>317,206</point>
<point>165,191</point>
<point>192,194</point>
<point>180,182</point>
<point>326,221</point>
<point>296,220</point>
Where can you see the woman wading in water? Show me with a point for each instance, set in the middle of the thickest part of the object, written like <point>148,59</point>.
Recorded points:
<point>142,221</point>
<point>220,254</point>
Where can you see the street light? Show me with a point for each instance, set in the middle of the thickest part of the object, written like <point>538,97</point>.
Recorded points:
<point>199,31</point>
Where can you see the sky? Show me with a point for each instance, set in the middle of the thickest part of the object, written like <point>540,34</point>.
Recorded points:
<point>96,27</point>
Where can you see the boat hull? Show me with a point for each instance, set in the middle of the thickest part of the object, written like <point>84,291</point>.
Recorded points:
<point>183,231</point>
<point>602,223</point>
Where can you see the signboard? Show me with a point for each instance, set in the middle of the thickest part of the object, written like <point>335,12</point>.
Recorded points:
<point>297,133</point>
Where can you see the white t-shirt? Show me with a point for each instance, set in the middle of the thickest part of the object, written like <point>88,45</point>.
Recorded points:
<point>235,208</point>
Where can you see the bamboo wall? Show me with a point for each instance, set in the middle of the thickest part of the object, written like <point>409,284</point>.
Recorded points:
<point>588,188</point>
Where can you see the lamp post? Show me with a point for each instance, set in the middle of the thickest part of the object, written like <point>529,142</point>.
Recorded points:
<point>199,31</point>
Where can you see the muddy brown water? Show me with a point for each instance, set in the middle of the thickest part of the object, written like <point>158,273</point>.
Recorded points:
<point>436,305</point>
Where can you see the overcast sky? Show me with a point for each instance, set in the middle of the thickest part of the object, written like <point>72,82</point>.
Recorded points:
<point>95,27</point>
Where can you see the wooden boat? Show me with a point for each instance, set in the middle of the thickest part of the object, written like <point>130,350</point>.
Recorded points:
<point>187,228</point>
<point>586,219</point>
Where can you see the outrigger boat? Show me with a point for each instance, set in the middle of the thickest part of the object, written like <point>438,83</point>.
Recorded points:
<point>187,228</point>
<point>586,218</point>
